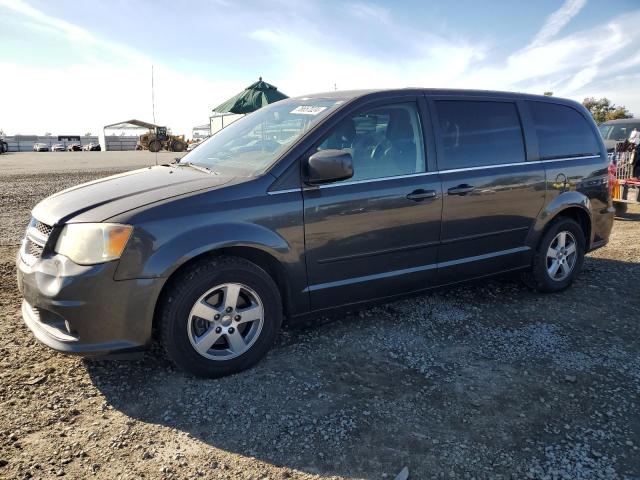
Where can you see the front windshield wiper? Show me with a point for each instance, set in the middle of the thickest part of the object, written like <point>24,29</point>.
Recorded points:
<point>202,168</point>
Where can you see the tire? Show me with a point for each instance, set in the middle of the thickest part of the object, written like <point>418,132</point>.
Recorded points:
<point>539,277</point>
<point>178,146</point>
<point>621,208</point>
<point>155,145</point>
<point>180,329</point>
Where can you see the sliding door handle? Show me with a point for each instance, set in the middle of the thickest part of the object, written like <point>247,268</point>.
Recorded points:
<point>460,189</point>
<point>421,194</point>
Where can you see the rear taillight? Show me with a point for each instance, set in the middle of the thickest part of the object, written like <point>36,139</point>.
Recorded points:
<point>612,176</point>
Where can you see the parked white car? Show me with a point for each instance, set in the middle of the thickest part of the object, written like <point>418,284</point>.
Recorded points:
<point>92,147</point>
<point>40,147</point>
<point>57,147</point>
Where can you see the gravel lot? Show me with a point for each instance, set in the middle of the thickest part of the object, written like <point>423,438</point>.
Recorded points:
<point>481,381</point>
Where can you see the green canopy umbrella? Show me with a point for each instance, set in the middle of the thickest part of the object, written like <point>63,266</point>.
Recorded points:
<point>252,98</point>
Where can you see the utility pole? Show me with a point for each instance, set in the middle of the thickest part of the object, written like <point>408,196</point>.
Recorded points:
<point>153,108</point>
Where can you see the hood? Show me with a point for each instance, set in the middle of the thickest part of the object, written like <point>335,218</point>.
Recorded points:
<point>101,199</point>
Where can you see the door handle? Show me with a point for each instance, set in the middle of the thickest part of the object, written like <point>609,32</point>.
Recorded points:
<point>460,189</point>
<point>421,194</point>
<point>561,182</point>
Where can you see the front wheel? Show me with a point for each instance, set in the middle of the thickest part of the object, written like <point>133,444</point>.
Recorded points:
<point>155,145</point>
<point>220,316</point>
<point>559,257</point>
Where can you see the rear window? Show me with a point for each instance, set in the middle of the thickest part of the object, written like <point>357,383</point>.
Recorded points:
<point>562,131</point>
<point>476,133</point>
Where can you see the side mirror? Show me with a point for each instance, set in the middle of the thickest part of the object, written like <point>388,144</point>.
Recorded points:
<point>328,166</point>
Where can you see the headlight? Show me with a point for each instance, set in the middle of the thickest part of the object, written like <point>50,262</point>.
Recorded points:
<point>91,243</point>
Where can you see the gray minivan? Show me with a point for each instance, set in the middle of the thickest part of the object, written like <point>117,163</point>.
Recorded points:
<point>615,131</point>
<point>311,205</point>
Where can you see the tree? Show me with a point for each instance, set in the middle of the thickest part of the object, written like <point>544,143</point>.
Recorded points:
<point>88,134</point>
<point>603,110</point>
<point>548,94</point>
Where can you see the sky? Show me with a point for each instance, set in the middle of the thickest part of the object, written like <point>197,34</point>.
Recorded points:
<point>70,67</point>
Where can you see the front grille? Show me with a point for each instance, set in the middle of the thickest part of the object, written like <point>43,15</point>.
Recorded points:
<point>43,228</point>
<point>34,249</point>
<point>34,241</point>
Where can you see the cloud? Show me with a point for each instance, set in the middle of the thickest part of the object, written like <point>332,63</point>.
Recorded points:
<point>557,21</point>
<point>84,97</point>
<point>293,49</point>
<point>566,64</point>
<point>112,83</point>
<point>368,11</point>
<point>310,60</point>
<point>72,32</point>
<point>571,65</point>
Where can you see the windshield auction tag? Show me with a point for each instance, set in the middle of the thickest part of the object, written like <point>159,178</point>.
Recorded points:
<point>307,110</point>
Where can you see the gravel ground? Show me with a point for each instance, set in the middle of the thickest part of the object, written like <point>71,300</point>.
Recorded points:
<point>21,163</point>
<point>480,381</point>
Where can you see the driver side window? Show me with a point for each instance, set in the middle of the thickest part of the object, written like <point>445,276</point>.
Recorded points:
<point>383,141</point>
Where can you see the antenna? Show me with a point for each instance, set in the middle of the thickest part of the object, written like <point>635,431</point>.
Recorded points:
<point>153,107</point>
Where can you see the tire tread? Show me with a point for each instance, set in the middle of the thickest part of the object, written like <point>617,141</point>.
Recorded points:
<point>536,277</point>
<point>180,288</point>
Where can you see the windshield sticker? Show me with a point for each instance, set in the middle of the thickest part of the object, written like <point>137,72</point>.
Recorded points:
<point>307,110</point>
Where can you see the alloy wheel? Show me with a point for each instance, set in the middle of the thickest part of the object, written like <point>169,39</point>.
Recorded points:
<point>225,321</point>
<point>561,256</point>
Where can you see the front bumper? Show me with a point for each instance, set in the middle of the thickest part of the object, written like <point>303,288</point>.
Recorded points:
<point>82,309</point>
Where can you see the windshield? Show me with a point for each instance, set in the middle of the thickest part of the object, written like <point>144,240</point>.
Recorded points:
<point>250,145</point>
<point>604,130</point>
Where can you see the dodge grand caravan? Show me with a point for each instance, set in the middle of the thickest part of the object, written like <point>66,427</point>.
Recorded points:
<point>312,204</point>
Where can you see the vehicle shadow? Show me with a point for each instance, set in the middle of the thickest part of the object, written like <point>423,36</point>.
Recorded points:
<point>408,383</point>
<point>628,216</point>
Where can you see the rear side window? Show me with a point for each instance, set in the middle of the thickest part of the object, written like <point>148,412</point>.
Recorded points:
<point>562,132</point>
<point>476,134</point>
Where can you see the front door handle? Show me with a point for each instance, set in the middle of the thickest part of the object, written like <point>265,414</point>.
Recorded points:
<point>460,189</point>
<point>421,194</point>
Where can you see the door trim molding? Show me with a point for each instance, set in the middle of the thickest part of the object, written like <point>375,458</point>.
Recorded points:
<point>535,162</point>
<point>481,235</point>
<point>421,268</point>
<point>372,180</point>
<point>373,253</point>
<point>416,246</point>
<point>288,190</point>
<point>451,170</point>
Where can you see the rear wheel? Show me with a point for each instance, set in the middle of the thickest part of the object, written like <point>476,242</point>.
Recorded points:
<point>155,145</point>
<point>220,316</point>
<point>178,146</point>
<point>559,257</point>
